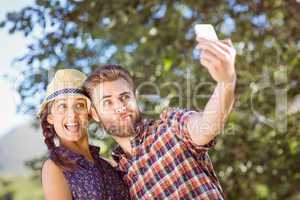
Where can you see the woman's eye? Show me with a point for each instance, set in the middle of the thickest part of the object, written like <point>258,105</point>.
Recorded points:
<point>80,105</point>
<point>61,106</point>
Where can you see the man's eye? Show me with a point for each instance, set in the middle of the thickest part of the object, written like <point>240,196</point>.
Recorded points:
<point>125,97</point>
<point>107,103</point>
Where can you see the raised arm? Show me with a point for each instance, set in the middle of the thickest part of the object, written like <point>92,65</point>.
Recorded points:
<point>218,57</point>
<point>55,185</point>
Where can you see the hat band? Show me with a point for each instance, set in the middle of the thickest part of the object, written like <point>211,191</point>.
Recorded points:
<point>66,91</point>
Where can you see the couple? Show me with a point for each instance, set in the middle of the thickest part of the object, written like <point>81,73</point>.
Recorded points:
<point>156,159</point>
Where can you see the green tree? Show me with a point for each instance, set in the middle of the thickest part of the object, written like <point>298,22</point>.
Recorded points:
<point>255,158</point>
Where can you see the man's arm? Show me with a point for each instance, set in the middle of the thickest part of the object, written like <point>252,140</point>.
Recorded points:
<point>203,127</point>
<point>218,57</point>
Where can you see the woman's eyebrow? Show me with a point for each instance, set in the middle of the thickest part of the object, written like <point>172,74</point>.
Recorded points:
<point>81,99</point>
<point>59,101</point>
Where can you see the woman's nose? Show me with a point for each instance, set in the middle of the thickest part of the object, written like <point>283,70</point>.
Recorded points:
<point>71,112</point>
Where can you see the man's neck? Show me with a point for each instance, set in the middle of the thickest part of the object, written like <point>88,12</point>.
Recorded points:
<point>125,144</point>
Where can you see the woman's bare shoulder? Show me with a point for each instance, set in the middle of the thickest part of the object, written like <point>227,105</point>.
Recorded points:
<point>55,185</point>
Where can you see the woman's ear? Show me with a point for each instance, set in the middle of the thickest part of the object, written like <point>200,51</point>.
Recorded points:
<point>94,114</point>
<point>50,118</point>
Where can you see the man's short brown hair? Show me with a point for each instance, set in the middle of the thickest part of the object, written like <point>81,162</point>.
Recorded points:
<point>106,73</point>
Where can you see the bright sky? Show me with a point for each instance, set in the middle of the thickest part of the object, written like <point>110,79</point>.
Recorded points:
<point>12,46</point>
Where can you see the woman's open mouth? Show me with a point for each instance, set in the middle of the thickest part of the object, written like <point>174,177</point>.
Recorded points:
<point>72,127</point>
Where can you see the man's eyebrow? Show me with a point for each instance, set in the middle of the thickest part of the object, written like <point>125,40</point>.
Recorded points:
<point>105,97</point>
<point>124,93</point>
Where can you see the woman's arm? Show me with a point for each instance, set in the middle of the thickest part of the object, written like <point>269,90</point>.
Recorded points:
<point>55,185</point>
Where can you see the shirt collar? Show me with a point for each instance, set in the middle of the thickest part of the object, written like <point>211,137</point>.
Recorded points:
<point>141,131</point>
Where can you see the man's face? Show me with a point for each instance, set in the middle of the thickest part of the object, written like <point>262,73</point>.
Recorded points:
<point>116,107</point>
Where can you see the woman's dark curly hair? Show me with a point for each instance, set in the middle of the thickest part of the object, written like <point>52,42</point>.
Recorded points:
<point>49,134</point>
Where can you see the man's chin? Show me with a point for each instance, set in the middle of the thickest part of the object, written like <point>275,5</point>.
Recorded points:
<point>121,131</point>
<point>122,134</point>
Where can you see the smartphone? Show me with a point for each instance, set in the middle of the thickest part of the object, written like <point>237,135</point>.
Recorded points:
<point>206,31</point>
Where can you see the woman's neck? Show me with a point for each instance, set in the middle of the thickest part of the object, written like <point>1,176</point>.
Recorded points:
<point>80,147</point>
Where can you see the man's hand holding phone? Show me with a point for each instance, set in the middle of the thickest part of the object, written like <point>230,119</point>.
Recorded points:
<point>218,56</point>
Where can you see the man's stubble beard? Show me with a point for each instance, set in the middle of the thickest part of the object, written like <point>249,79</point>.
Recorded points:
<point>121,131</point>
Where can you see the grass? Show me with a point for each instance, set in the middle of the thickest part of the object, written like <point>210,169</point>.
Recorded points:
<point>20,188</point>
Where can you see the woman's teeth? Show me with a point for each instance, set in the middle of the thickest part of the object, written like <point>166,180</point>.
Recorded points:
<point>73,127</point>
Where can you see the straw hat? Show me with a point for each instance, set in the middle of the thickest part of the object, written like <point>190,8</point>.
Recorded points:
<point>66,82</point>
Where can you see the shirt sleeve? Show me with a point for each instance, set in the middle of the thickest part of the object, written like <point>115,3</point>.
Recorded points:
<point>177,119</point>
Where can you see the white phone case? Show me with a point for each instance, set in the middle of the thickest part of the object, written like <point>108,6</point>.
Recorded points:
<point>206,31</point>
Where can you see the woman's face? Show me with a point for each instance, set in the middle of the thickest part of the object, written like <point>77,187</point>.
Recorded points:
<point>69,116</point>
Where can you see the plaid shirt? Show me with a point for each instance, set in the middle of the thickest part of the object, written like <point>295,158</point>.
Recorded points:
<point>166,164</point>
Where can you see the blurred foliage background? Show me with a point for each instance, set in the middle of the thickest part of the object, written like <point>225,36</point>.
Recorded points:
<point>257,156</point>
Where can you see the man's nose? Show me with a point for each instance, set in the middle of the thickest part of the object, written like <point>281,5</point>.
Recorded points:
<point>119,107</point>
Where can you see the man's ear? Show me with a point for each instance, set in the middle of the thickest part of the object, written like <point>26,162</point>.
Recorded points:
<point>95,114</point>
<point>50,118</point>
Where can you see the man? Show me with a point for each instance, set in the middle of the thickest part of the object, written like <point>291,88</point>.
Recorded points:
<point>166,158</point>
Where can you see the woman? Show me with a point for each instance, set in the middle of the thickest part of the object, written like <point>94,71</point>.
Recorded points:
<point>74,169</point>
